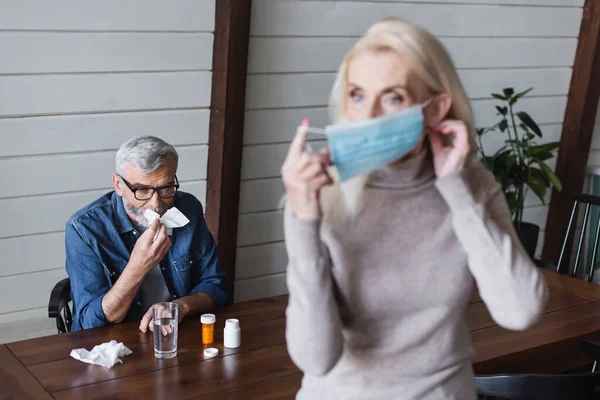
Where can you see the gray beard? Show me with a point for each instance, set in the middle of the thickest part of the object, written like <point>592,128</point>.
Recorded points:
<point>138,213</point>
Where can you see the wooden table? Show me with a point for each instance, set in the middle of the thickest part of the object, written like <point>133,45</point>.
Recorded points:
<point>261,369</point>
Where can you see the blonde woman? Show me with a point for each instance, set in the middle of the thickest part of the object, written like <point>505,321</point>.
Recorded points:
<point>384,258</point>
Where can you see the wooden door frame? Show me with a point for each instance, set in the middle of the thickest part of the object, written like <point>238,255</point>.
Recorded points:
<point>230,59</point>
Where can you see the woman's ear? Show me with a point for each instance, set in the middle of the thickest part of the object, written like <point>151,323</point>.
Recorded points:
<point>437,110</point>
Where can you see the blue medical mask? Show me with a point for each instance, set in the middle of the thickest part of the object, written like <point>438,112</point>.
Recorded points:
<point>360,147</point>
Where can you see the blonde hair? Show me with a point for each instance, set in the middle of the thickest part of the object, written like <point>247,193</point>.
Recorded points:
<point>428,59</point>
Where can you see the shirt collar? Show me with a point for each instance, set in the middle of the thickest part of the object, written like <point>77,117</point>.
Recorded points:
<point>122,222</point>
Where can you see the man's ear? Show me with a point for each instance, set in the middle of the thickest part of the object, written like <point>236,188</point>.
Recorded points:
<point>116,180</point>
<point>437,110</point>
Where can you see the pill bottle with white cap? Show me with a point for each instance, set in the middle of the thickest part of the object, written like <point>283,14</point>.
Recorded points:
<point>232,334</point>
<point>208,328</point>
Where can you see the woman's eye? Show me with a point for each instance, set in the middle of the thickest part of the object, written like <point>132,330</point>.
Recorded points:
<point>356,97</point>
<point>396,100</point>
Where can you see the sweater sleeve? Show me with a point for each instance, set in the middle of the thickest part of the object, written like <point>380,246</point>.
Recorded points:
<point>314,328</point>
<point>509,283</point>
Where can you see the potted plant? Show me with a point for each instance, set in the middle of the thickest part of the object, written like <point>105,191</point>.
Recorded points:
<point>520,164</point>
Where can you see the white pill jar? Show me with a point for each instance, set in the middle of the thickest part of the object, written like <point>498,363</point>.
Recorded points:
<point>232,334</point>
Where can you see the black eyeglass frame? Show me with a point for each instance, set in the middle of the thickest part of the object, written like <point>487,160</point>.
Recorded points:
<point>154,189</point>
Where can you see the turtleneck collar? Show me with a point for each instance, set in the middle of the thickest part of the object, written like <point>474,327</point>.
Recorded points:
<point>406,173</point>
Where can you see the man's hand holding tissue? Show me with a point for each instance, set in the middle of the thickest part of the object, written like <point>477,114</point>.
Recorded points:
<point>146,254</point>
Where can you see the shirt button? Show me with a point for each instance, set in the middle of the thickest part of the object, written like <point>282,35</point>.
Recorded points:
<point>135,232</point>
<point>191,262</point>
<point>139,303</point>
<point>174,296</point>
<point>163,268</point>
<point>113,273</point>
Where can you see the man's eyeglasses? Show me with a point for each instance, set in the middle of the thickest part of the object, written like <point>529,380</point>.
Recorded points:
<point>146,193</point>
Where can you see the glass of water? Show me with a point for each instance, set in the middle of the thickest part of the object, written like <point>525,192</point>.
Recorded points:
<point>165,329</point>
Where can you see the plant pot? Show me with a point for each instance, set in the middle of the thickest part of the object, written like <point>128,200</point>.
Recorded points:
<point>529,234</point>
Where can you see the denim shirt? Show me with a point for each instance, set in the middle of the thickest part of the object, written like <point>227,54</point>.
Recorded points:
<point>99,240</point>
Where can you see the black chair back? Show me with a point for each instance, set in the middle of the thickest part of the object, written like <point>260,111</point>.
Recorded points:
<point>539,387</point>
<point>544,387</point>
<point>589,201</point>
<point>58,306</point>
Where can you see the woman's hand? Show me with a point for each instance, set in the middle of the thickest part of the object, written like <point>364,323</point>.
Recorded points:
<point>304,175</point>
<point>450,159</point>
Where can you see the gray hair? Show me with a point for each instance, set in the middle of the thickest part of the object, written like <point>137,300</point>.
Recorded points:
<point>148,153</point>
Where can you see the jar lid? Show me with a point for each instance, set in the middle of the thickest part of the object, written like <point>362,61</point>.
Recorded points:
<point>211,352</point>
<point>208,319</point>
<point>232,323</point>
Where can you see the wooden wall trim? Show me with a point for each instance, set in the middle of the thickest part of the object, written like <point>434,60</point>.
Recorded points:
<point>230,59</point>
<point>578,127</point>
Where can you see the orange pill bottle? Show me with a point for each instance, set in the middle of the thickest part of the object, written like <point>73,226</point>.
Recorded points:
<point>208,328</point>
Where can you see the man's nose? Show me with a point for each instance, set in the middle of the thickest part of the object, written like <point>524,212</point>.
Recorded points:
<point>155,200</point>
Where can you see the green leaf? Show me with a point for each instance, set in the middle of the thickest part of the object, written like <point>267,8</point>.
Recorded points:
<point>499,96</point>
<point>542,148</point>
<point>527,120</point>
<point>513,203</point>
<point>501,152</point>
<point>503,125</point>
<point>503,162</point>
<point>502,110</point>
<point>519,95</point>
<point>538,187</point>
<point>488,162</point>
<point>550,174</point>
<point>539,175</point>
<point>508,92</point>
<point>546,155</point>
<point>519,174</point>
<point>482,131</point>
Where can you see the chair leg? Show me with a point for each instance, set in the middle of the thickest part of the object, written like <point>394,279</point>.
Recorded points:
<point>581,237</point>
<point>60,326</point>
<point>593,262</point>
<point>68,319</point>
<point>567,236</point>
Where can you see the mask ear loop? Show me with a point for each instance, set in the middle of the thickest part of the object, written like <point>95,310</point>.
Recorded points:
<point>423,105</point>
<point>317,131</point>
<point>428,102</point>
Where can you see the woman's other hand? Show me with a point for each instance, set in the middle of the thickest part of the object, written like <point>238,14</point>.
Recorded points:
<point>452,158</point>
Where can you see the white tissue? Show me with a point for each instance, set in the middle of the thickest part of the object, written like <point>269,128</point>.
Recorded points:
<point>105,354</point>
<point>173,218</point>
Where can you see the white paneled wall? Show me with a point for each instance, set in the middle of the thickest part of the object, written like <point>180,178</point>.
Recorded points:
<point>78,79</point>
<point>296,47</point>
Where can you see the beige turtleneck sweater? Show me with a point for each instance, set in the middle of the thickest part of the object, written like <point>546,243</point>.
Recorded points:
<point>376,308</point>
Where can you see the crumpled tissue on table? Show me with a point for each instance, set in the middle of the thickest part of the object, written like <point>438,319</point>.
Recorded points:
<point>106,354</point>
<point>173,218</point>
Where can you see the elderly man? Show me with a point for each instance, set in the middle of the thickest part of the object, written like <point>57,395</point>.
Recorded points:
<point>120,264</point>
